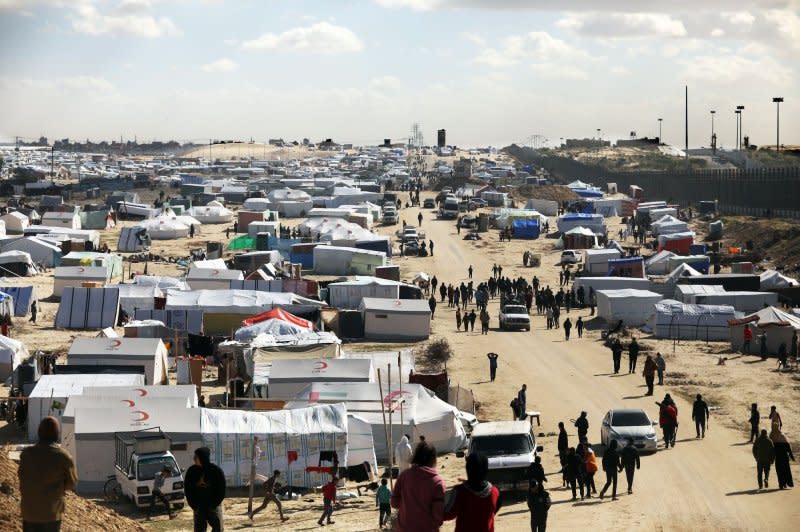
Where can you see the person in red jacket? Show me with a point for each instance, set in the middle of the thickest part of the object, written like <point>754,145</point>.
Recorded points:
<point>419,493</point>
<point>328,498</point>
<point>474,502</point>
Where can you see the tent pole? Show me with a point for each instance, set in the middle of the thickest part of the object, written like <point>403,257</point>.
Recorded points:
<point>400,382</point>
<point>385,429</point>
<point>391,409</point>
<point>253,475</point>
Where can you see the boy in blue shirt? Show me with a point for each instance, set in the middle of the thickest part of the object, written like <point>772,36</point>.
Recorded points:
<point>383,499</point>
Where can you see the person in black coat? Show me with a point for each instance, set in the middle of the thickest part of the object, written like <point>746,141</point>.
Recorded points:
<point>563,446</point>
<point>630,461</point>
<point>536,472</point>
<point>204,485</point>
<point>539,504</point>
<point>574,468</point>
<point>611,465</point>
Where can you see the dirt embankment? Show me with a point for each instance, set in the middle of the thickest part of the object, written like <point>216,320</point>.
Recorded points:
<point>774,240</point>
<point>557,193</point>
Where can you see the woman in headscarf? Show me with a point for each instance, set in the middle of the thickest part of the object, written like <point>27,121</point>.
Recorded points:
<point>783,453</point>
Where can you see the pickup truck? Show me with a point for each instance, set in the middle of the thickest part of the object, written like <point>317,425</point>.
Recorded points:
<point>390,216</point>
<point>138,458</point>
<point>514,317</point>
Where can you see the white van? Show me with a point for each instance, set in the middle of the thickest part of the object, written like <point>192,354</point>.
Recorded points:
<point>510,447</point>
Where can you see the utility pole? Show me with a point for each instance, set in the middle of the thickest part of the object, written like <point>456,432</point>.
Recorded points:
<point>686,121</point>
<point>660,141</point>
<point>737,112</point>
<point>740,109</point>
<point>778,101</point>
<point>713,136</point>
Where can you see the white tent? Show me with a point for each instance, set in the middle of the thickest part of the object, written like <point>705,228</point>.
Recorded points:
<point>13,263</point>
<point>308,431</point>
<point>16,222</point>
<point>348,294</point>
<point>667,225</point>
<point>608,283</point>
<point>49,396</point>
<point>185,391</point>
<point>360,445</point>
<point>658,264</point>
<point>741,300</point>
<point>680,271</point>
<point>381,359</point>
<point>257,204</point>
<point>423,414</point>
<point>212,278</point>
<point>70,220</point>
<point>64,233</point>
<point>248,302</point>
<point>275,327</point>
<point>212,213</point>
<point>675,320</point>
<point>772,280</point>
<point>631,306</point>
<point>336,260</point>
<point>42,251</point>
<point>150,353</point>
<point>133,239</point>
<point>687,293</point>
<point>210,264</point>
<point>595,261</point>
<point>133,296</point>
<point>12,354</point>
<point>395,319</point>
<point>778,325</point>
<point>76,276</point>
<point>169,226</point>
<point>288,377</point>
<point>163,283</point>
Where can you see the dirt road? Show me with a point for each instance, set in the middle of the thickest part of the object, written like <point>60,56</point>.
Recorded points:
<point>699,485</point>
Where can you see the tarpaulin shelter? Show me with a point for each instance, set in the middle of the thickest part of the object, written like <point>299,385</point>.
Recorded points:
<point>44,252</point>
<point>658,264</point>
<point>16,264</point>
<point>211,278</point>
<point>699,263</point>
<point>75,277</point>
<point>336,260</point>
<point>16,222</point>
<point>772,279</point>
<point>137,296</point>
<point>348,294</point>
<point>595,222</point>
<point>381,359</point>
<point>675,320</point>
<point>88,308</point>
<point>288,377</point>
<point>579,238</point>
<point>23,297</point>
<point>212,213</point>
<point>151,353</point>
<point>667,225</point>
<point>677,242</point>
<point>687,293</point>
<point>595,261</point>
<point>12,354</point>
<point>633,307</point>
<point>92,258</point>
<point>133,239</point>
<point>526,229</point>
<point>778,325</point>
<point>278,314</point>
<point>626,267</point>
<point>395,319</point>
<point>742,301</point>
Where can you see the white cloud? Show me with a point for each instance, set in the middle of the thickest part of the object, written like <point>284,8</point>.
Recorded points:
<point>620,70</point>
<point>623,25</point>
<point>322,37</point>
<point>788,24</point>
<point>81,83</point>
<point>717,32</point>
<point>594,5</point>
<point>221,65</point>
<point>132,17</point>
<point>739,18</point>
<point>474,38</point>
<point>536,46</point>
<point>725,69</point>
<point>386,84</point>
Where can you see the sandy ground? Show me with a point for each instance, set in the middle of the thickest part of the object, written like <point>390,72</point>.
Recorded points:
<point>699,485</point>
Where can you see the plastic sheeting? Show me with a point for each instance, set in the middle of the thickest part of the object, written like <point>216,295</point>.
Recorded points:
<point>633,307</point>
<point>675,320</point>
<point>88,308</point>
<point>772,279</point>
<point>23,296</point>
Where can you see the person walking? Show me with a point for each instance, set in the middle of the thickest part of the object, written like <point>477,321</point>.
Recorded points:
<point>419,493</point>
<point>764,453</point>
<point>269,496</point>
<point>430,246</point>
<point>630,461</point>
<point>419,219</point>
<point>582,424</point>
<point>191,230</point>
<point>458,320</point>
<point>633,355</point>
<point>539,505</point>
<point>469,271</point>
<point>522,401</point>
<point>383,499</point>
<point>158,494</point>
<point>204,487</point>
<point>579,327</point>
<point>574,471</point>
<point>649,373</point>
<point>747,337</point>
<point>590,468</point>
<point>492,366</point>
<point>484,322</point>
<point>46,472</point>
<point>536,471</point>
<point>567,328</point>
<point>474,502</point>
<point>472,318</point>
<point>700,415</point>
<point>668,419</point>
<point>611,466</point>
<point>755,420</point>
<point>661,366</point>
<point>563,446</point>
<point>616,354</point>
<point>783,453</point>
<point>775,417</point>
<point>432,306</point>
<point>549,315</point>
<point>34,312</point>
<point>328,500</point>
<point>403,453</point>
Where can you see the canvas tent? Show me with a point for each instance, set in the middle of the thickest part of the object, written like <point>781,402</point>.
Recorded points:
<point>527,229</point>
<point>658,264</point>
<point>42,251</point>
<point>16,264</point>
<point>423,414</point>
<point>608,283</point>
<point>133,239</point>
<point>395,319</point>
<point>308,431</point>
<point>631,306</point>
<point>137,296</point>
<point>70,220</point>
<point>88,308</point>
<point>247,302</point>
<point>212,279</point>
<point>675,320</point>
<point>49,396</point>
<point>92,258</point>
<point>687,293</point>
<point>12,354</point>
<point>23,297</point>
<point>212,213</point>
<point>151,353</point>
<point>16,222</point>
<point>288,377</point>
<point>336,260</point>
<point>76,276</point>
<point>742,301</point>
<point>595,261</point>
<point>348,294</point>
<point>773,280</point>
<point>402,361</point>
<point>667,225</point>
<point>778,325</point>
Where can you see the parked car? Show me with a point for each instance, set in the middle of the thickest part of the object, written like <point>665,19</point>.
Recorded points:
<point>623,423</point>
<point>571,256</point>
<point>429,203</point>
<point>477,203</point>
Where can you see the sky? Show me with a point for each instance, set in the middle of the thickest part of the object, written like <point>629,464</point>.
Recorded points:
<point>490,72</point>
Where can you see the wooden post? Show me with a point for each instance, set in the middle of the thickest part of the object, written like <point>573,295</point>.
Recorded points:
<point>385,429</point>
<point>252,475</point>
<point>391,410</point>
<point>400,383</point>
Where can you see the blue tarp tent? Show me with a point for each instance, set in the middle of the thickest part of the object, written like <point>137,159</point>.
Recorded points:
<point>528,229</point>
<point>23,296</point>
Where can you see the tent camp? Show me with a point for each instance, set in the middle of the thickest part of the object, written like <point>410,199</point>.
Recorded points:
<point>151,353</point>
<point>16,264</point>
<point>336,260</point>
<point>133,239</point>
<point>608,283</point>
<point>308,431</point>
<point>23,296</point>
<point>212,279</point>
<point>16,222</point>
<point>42,251</point>
<point>778,325</point>
<point>395,319</point>
<point>76,276</point>
<point>633,307</point>
<point>12,354</point>
<point>743,301</point>
<point>288,377</point>
<point>675,320</point>
<point>88,308</point>
<point>423,414</point>
<point>49,396</point>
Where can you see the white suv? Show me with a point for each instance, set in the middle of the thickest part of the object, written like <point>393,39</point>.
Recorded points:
<point>570,256</point>
<point>510,447</point>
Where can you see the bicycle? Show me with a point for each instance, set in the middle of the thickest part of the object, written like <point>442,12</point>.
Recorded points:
<point>112,490</point>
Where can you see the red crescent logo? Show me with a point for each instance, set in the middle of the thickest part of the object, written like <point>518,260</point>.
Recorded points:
<point>116,343</point>
<point>144,415</point>
<point>320,365</point>
<point>130,403</point>
<point>81,270</point>
<point>142,392</point>
<point>215,272</point>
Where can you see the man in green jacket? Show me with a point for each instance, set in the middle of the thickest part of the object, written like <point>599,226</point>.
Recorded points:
<point>764,453</point>
<point>46,472</point>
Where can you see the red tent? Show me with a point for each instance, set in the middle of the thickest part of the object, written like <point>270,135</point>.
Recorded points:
<point>278,314</point>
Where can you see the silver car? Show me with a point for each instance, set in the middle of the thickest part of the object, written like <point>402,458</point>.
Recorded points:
<point>624,423</point>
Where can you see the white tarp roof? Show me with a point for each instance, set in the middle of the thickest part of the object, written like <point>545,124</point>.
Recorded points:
<point>682,270</point>
<point>161,282</point>
<point>238,301</point>
<point>321,370</point>
<point>123,347</point>
<point>405,306</point>
<point>772,279</point>
<point>381,359</point>
<point>631,306</point>
<point>188,391</point>
<point>673,319</point>
<point>658,264</point>
<point>211,264</point>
